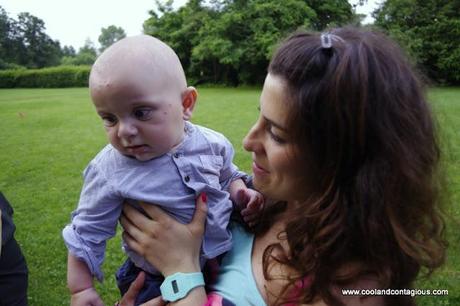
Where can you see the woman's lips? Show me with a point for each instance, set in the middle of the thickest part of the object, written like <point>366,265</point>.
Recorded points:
<point>258,170</point>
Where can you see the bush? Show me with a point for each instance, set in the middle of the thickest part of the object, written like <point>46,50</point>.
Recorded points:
<point>11,66</point>
<point>54,77</point>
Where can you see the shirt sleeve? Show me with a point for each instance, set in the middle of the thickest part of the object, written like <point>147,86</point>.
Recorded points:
<point>94,221</point>
<point>229,171</point>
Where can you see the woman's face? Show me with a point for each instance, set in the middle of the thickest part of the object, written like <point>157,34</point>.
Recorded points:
<point>277,172</point>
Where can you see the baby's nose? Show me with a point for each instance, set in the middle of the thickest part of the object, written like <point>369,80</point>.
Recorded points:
<point>126,129</point>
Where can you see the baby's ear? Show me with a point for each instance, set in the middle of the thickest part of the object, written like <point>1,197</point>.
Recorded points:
<point>188,102</point>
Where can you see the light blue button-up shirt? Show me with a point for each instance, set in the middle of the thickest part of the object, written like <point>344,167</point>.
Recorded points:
<point>202,162</point>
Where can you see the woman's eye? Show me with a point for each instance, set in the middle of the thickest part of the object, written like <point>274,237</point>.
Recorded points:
<point>109,120</point>
<point>275,137</point>
<point>143,114</point>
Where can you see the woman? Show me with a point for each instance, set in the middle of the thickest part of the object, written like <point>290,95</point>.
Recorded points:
<point>346,144</point>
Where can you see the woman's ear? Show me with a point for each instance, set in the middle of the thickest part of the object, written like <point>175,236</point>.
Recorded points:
<point>188,102</point>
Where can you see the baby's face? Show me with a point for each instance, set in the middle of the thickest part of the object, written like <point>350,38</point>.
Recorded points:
<point>143,118</point>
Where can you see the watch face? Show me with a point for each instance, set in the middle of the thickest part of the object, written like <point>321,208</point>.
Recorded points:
<point>174,286</point>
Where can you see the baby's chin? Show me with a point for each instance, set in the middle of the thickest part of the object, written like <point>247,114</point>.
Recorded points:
<point>146,157</point>
<point>142,155</point>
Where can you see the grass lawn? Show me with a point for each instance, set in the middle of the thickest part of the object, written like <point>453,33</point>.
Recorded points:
<point>49,135</point>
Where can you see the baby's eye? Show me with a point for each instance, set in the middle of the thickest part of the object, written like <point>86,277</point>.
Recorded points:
<point>143,113</point>
<point>109,120</point>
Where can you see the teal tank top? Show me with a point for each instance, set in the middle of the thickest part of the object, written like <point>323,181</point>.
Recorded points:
<point>235,280</point>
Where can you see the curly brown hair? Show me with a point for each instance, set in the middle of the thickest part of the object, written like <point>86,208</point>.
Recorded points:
<point>367,135</point>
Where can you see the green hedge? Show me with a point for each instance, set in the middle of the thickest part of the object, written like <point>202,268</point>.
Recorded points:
<point>54,77</point>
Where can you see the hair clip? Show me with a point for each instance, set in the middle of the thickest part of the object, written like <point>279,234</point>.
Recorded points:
<point>327,38</point>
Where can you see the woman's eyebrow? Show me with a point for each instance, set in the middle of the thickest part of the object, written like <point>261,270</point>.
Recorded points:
<point>278,126</point>
<point>273,123</point>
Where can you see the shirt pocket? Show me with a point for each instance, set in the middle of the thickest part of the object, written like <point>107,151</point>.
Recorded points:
<point>212,165</point>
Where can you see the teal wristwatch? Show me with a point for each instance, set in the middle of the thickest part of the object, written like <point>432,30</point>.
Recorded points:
<point>178,285</point>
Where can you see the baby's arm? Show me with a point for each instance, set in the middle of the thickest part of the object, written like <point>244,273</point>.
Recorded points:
<point>93,222</point>
<point>248,201</point>
<point>80,283</point>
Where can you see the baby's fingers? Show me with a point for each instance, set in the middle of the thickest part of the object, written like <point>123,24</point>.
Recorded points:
<point>253,207</point>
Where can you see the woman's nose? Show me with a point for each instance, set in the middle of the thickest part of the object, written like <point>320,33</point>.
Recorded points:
<point>126,129</point>
<point>251,141</point>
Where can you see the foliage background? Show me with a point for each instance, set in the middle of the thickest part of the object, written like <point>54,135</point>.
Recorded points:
<point>230,41</point>
<point>51,77</point>
<point>430,32</point>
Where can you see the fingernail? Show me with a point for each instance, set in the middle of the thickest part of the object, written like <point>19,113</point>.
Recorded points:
<point>204,198</point>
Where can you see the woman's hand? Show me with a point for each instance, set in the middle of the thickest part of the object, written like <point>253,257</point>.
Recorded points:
<point>164,242</point>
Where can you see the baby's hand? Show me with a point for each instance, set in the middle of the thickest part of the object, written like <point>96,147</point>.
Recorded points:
<point>250,203</point>
<point>87,297</point>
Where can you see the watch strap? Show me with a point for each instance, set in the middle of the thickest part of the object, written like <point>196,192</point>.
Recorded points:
<point>178,285</point>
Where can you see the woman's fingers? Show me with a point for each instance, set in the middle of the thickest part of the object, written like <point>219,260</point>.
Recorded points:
<point>154,212</point>
<point>135,217</point>
<point>198,222</point>
<point>130,227</point>
<point>137,228</point>
<point>129,298</point>
<point>132,243</point>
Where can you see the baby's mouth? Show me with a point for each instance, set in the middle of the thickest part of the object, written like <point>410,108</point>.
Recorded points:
<point>136,149</point>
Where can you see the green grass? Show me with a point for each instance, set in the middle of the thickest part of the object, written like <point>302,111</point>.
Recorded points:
<point>47,136</point>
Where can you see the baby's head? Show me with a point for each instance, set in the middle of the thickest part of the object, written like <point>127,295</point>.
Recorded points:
<point>139,90</point>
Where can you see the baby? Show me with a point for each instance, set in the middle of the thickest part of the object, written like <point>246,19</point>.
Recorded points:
<point>155,155</point>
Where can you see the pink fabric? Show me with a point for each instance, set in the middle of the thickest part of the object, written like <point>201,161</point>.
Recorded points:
<point>214,300</point>
<point>297,290</point>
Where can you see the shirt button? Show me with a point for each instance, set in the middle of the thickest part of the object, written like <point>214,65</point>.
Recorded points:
<point>176,155</point>
<point>187,178</point>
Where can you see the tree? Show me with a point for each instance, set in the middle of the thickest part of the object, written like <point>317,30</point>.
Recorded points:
<point>4,30</point>
<point>179,29</point>
<point>68,55</point>
<point>24,42</point>
<point>231,41</point>
<point>68,51</point>
<point>86,55</point>
<point>110,35</point>
<point>237,51</point>
<point>330,13</point>
<point>430,32</point>
<point>41,49</point>
<point>12,50</point>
